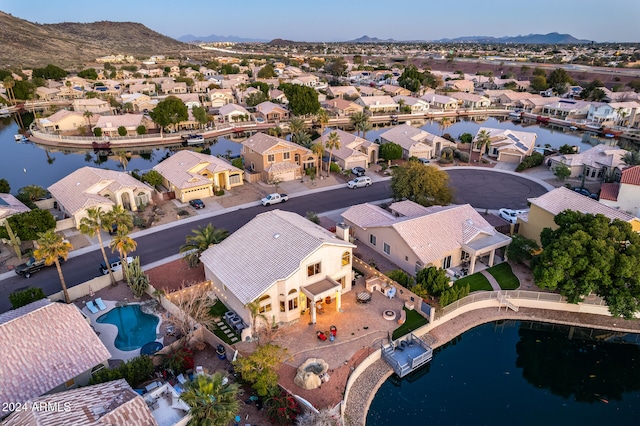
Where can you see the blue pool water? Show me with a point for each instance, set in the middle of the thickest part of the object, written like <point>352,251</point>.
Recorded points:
<point>135,328</point>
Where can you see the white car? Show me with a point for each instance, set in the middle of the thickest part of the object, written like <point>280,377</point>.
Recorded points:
<point>359,182</point>
<point>509,215</point>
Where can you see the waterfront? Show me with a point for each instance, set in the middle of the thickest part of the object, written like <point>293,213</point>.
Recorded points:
<point>525,373</point>
<point>31,164</point>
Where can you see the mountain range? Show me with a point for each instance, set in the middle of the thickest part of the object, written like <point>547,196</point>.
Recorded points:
<point>189,38</point>
<point>551,38</point>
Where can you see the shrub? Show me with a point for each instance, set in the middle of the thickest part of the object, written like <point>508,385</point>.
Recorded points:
<point>178,361</point>
<point>139,222</point>
<point>21,298</point>
<point>334,168</point>
<point>152,177</point>
<point>310,171</point>
<point>282,409</point>
<point>464,156</point>
<point>456,153</point>
<point>220,192</point>
<point>452,294</point>
<point>97,131</point>
<point>134,371</point>
<point>141,130</point>
<point>122,131</point>
<point>533,160</point>
<point>390,151</point>
<point>401,277</point>
<point>313,217</point>
<point>237,162</point>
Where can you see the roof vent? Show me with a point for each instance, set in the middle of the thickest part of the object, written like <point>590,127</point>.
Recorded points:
<point>276,236</point>
<point>469,222</point>
<point>77,183</point>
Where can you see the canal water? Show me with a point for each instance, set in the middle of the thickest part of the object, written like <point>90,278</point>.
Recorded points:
<point>519,373</point>
<point>31,164</point>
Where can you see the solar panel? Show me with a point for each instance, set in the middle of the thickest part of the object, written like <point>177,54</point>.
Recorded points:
<point>3,202</point>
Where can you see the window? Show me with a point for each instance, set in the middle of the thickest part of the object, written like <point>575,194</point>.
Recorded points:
<point>293,299</point>
<point>286,155</point>
<point>265,304</point>
<point>418,266</point>
<point>446,262</point>
<point>372,239</point>
<point>271,158</point>
<point>346,258</point>
<point>386,248</point>
<point>313,269</point>
<point>234,179</point>
<point>282,306</point>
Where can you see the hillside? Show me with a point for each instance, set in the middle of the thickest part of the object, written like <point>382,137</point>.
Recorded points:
<point>70,44</point>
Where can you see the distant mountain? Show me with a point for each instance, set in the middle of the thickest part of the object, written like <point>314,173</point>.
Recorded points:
<point>189,38</point>
<point>551,38</point>
<point>367,39</point>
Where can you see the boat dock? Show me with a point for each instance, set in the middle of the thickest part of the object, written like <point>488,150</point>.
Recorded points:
<point>407,354</point>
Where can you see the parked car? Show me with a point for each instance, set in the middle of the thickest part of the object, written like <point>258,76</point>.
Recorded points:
<point>32,266</point>
<point>115,263</point>
<point>274,198</point>
<point>424,160</point>
<point>197,203</point>
<point>358,171</point>
<point>509,215</point>
<point>586,192</point>
<point>359,182</point>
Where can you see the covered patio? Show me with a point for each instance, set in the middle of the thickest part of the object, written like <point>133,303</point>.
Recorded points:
<point>480,253</point>
<point>320,294</point>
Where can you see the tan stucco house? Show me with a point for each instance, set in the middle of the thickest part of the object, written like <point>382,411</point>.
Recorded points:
<point>272,112</point>
<point>415,237</point>
<point>596,164</point>
<point>90,187</point>
<point>276,158</point>
<point>415,142</point>
<point>284,262</point>
<point>63,121</point>
<point>354,151</point>
<point>193,175</point>
<point>507,145</point>
<point>623,195</point>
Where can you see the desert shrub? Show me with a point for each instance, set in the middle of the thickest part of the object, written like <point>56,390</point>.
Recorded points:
<point>134,371</point>
<point>334,168</point>
<point>21,298</point>
<point>532,160</point>
<point>237,162</point>
<point>313,217</point>
<point>464,156</point>
<point>401,277</point>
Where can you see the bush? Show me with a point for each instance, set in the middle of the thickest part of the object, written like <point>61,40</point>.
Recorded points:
<point>310,171</point>
<point>134,371</point>
<point>313,217</point>
<point>464,156</point>
<point>97,132</point>
<point>452,294</point>
<point>220,192</point>
<point>21,298</point>
<point>237,162</point>
<point>401,277</point>
<point>153,178</point>
<point>141,130</point>
<point>533,160</point>
<point>334,168</point>
<point>282,409</point>
<point>456,153</point>
<point>390,151</point>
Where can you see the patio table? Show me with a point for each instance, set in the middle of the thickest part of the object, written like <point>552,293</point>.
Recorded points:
<point>363,297</point>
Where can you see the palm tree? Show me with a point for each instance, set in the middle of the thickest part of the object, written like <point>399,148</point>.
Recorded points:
<point>34,192</point>
<point>52,247</point>
<point>296,124</point>
<point>202,239</point>
<point>9,83</point>
<point>444,123</point>
<point>358,118</point>
<point>333,142</point>
<point>322,118</point>
<point>88,115</point>
<point>213,401</point>
<point>254,311</point>
<point>123,244</point>
<point>123,158</point>
<point>483,141</point>
<point>364,127</point>
<point>631,158</point>
<point>119,217</point>
<point>301,138</point>
<point>91,225</point>
<point>318,150</point>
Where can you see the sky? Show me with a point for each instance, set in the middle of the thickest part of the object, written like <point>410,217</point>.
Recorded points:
<point>332,20</point>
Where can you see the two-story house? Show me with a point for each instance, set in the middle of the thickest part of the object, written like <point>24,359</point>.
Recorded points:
<point>275,158</point>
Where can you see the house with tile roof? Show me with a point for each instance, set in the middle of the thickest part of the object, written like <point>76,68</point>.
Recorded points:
<point>623,195</point>
<point>62,121</point>
<point>545,208</point>
<point>173,88</point>
<point>415,142</point>
<point>342,107</point>
<point>220,97</point>
<point>366,91</point>
<point>272,112</point>
<point>47,347</point>
<point>104,404</point>
<point>47,93</point>
<point>139,101</point>
<point>442,102</point>
<point>275,158</point>
<point>415,237</point>
<point>193,175</point>
<point>509,146</point>
<point>284,262</point>
<point>342,92</point>
<point>417,106</point>
<point>354,151</point>
<point>109,124</point>
<point>143,87</point>
<point>278,96</point>
<point>232,113</point>
<point>10,205</point>
<point>91,187</point>
<point>596,164</point>
<point>393,90</point>
<point>378,104</point>
<point>471,100</point>
<point>93,105</point>
<point>567,109</point>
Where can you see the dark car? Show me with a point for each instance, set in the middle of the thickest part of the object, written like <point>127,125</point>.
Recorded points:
<point>358,171</point>
<point>32,266</point>
<point>197,203</point>
<point>586,193</point>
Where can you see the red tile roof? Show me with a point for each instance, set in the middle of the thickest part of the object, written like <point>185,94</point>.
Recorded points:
<point>609,191</point>
<point>631,175</point>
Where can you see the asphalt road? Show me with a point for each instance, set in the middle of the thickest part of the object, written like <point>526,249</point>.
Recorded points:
<point>480,188</point>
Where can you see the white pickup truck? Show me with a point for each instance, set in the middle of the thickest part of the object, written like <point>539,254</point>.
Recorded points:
<point>274,198</point>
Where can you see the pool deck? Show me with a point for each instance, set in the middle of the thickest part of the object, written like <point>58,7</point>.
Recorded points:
<point>109,332</point>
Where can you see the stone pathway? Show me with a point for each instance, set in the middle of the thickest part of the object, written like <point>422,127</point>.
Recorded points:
<point>492,281</point>
<point>226,330</point>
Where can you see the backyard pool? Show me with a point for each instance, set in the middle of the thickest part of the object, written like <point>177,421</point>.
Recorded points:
<point>135,328</point>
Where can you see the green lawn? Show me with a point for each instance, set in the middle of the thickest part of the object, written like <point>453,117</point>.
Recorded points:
<point>218,310</point>
<point>476,282</point>
<point>413,322</point>
<point>505,276</point>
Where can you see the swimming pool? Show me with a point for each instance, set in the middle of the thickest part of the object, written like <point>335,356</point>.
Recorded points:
<point>135,328</point>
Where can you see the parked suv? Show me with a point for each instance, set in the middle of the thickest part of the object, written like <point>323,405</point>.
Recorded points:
<point>359,182</point>
<point>115,264</point>
<point>32,266</point>
<point>358,171</point>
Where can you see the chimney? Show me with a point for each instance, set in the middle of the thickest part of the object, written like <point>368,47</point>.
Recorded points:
<point>342,231</point>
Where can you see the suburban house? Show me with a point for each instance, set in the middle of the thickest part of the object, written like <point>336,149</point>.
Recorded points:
<point>232,113</point>
<point>243,95</point>
<point>417,105</point>
<point>139,101</point>
<point>271,112</point>
<point>109,124</point>
<point>392,90</point>
<point>10,205</point>
<point>342,92</point>
<point>47,93</point>
<point>94,106</point>
<point>193,175</point>
<point>466,86</point>
<point>354,151</point>
<point>471,100</point>
<point>308,80</point>
<point>276,158</point>
<point>90,187</point>
<point>600,162</point>
<point>342,107</point>
<point>415,237</point>
<point>378,104</point>
<point>415,142</point>
<point>544,209</point>
<point>278,96</point>
<point>173,88</point>
<point>220,97</point>
<point>627,113</point>
<point>623,195</point>
<point>110,403</point>
<point>567,109</point>
<point>507,145</point>
<point>146,88</point>
<point>509,98</point>
<point>63,121</point>
<point>366,91</point>
<point>285,263</point>
<point>48,347</point>
<point>190,99</point>
<point>440,101</point>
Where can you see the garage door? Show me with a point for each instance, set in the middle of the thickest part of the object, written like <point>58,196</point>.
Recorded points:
<point>509,158</point>
<point>285,175</point>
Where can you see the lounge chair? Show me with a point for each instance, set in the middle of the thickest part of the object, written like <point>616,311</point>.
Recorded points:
<point>100,304</point>
<point>91,307</point>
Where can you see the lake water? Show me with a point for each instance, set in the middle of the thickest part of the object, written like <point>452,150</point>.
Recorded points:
<point>519,373</point>
<point>30,164</point>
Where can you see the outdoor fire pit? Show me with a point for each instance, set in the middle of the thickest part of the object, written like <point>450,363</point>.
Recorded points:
<point>389,314</point>
<point>311,373</point>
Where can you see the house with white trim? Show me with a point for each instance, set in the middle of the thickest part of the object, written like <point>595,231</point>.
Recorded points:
<point>354,151</point>
<point>623,195</point>
<point>440,101</point>
<point>510,146</point>
<point>276,158</point>
<point>232,113</point>
<point>597,163</point>
<point>418,106</point>
<point>415,142</point>
<point>378,104</point>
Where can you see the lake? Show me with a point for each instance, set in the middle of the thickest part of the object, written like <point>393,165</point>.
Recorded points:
<point>31,164</point>
<point>523,373</point>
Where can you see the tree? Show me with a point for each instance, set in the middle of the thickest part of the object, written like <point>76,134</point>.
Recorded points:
<point>562,172</point>
<point>445,122</point>
<point>364,127</point>
<point>390,151</point>
<point>28,225</point>
<point>591,254</point>
<point>539,83</point>
<point>89,73</point>
<point>297,124</point>
<point>318,150</point>
<point>33,192</point>
<point>521,249</point>
<point>301,138</point>
<point>200,114</point>
<point>254,310</point>
<point>322,119</point>
<point>631,158</point>
<point>52,247</point>
<point>426,186</point>
<point>152,177</point>
<point>137,280</point>
<point>466,138</point>
<point>303,100</point>
<point>267,72</point>
<point>202,239</point>
<point>169,112</point>
<point>256,98</point>
<point>20,298</point>
<point>122,131</point>
<point>123,156</point>
<point>9,83</point>
<point>91,225</point>
<point>434,280</point>
<point>559,78</point>
<point>483,141</point>
<point>5,188</point>
<point>261,368</point>
<point>332,142</point>
<point>123,244</point>
<point>141,129</point>
<point>88,114</point>
<point>194,307</point>
<point>336,67</point>
<point>212,400</point>
<point>566,149</point>
<point>357,119</point>
<point>50,72</point>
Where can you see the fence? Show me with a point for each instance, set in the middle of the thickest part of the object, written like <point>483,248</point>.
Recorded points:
<point>87,287</point>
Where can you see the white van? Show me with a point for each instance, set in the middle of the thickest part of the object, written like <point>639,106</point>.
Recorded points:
<point>115,263</point>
